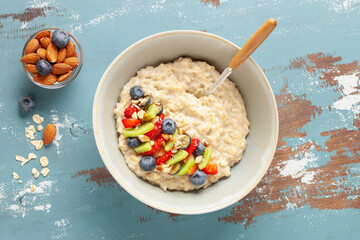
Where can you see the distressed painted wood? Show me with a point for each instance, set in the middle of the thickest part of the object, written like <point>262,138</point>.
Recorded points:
<point>311,190</point>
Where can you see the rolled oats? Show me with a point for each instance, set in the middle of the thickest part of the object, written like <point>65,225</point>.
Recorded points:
<point>15,175</point>
<point>29,132</point>
<point>44,161</point>
<point>19,158</point>
<point>40,128</point>
<point>37,119</point>
<point>45,171</point>
<point>38,144</point>
<point>32,188</point>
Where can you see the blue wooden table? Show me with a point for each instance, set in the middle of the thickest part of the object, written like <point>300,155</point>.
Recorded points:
<point>311,190</point>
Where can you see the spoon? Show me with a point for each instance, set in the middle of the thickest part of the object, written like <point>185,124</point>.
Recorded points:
<point>249,47</point>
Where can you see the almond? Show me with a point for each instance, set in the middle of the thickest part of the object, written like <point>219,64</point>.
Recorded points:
<point>40,35</point>
<point>46,80</point>
<point>49,133</point>
<point>61,55</point>
<point>75,54</point>
<point>42,53</point>
<point>64,76</point>
<point>31,68</point>
<point>61,68</point>
<point>70,49</point>
<point>72,61</point>
<point>45,42</point>
<point>30,58</point>
<point>52,53</point>
<point>32,46</point>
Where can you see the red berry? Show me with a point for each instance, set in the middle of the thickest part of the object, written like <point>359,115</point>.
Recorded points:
<point>163,159</point>
<point>129,122</point>
<point>157,129</point>
<point>155,147</point>
<point>193,145</point>
<point>129,111</point>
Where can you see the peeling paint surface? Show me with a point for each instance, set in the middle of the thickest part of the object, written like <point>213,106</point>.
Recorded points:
<point>312,188</point>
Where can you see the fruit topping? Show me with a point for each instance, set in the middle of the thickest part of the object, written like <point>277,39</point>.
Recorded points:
<point>26,103</point>
<point>43,67</point>
<point>157,129</point>
<point>193,145</point>
<point>141,130</point>
<point>199,150</point>
<point>168,126</point>
<point>184,140</point>
<point>144,147</point>
<point>133,142</point>
<point>60,38</point>
<point>187,166</point>
<point>136,92</point>
<point>198,178</point>
<point>193,169</point>
<point>145,101</point>
<point>179,156</point>
<point>151,112</point>
<point>163,159</point>
<point>172,140</point>
<point>129,111</point>
<point>129,122</point>
<point>211,167</point>
<point>175,169</point>
<point>155,147</point>
<point>147,163</point>
<point>161,109</point>
<point>206,158</point>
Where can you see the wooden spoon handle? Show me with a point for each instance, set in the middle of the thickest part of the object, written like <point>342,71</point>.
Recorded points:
<point>253,43</point>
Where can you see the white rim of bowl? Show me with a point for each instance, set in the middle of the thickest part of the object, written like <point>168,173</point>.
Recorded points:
<point>113,172</point>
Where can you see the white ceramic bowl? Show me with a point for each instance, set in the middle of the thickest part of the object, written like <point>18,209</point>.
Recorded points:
<point>254,88</point>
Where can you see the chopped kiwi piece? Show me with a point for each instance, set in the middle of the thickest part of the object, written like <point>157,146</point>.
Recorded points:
<point>187,166</point>
<point>185,141</point>
<point>170,144</point>
<point>141,130</point>
<point>143,148</point>
<point>151,112</point>
<point>206,158</point>
<point>179,156</point>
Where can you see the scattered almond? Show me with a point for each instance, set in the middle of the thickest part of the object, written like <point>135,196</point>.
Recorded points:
<point>40,35</point>
<point>64,76</point>
<point>31,68</point>
<point>72,61</point>
<point>44,161</point>
<point>39,128</point>
<point>30,58</point>
<point>61,55</point>
<point>38,144</point>
<point>141,114</point>
<point>32,188</point>
<point>70,49</point>
<point>15,175</point>
<point>37,119</point>
<point>206,144</point>
<point>198,159</point>
<point>52,53</point>
<point>166,136</point>
<point>155,119</point>
<point>45,171</point>
<point>144,138</point>
<point>49,133</point>
<point>45,42</point>
<point>61,68</point>
<point>134,115</point>
<point>42,53</point>
<point>32,46</point>
<point>46,80</point>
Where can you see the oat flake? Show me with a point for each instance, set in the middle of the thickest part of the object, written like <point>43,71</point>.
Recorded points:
<point>37,119</point>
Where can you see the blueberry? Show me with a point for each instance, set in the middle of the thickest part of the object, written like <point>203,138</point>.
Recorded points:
<point>60,38</point>
<point>199,150</point>
<point>168,126</point>
<point>161,110</point>
<point>43,67</point>
<point>133,142</point>
<point>198,178</point>
<point>148,163</point>
<point>147,103</point>
<point>136,92</point>
<point>26,103</point>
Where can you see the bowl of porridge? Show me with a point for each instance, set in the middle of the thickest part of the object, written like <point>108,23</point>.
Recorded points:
<point>170,146</point>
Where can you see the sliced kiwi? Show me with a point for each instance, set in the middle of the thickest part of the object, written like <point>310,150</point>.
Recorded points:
<point>170,144</point>
<point>206,158</point>
<point>185,141</point>
<point>151,112</point>
<point>175,169</point>
<point>143,148</point>
<point>179,156</point>
<point>187,166</point>
<point>141,130</point>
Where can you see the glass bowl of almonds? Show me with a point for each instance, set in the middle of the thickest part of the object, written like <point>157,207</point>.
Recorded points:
<point>52,58</point>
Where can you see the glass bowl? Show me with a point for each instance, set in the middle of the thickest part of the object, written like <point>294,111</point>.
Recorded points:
<point>76,71</point>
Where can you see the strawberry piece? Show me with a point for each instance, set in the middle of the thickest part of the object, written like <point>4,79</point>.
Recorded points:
<point>157,129</point>
<point>163,159</point>
<point>192,170</point>
<point>129,111</point>
<point>211,168</point>
<point>129,122</point>
<point>155,147</point>
<point>193,145</point>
